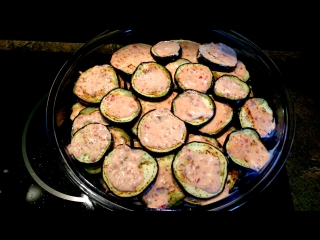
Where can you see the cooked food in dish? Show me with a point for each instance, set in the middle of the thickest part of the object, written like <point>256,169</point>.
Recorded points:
<point>194,76</point>
<point>245,148</point>
<point>256,113</point>
<point>128,171</point>
<point>167,134</point>
<point>95,82</point>
<point>201,169</point>
<point>120,106</point>
<point>160,131</point>
<point>127,58</point>
<point>151,81</point>
<point>231,88</point>
<point>166,51</point>
<point>193,107</point>
<point>218,56</point>
<point>90,143</point>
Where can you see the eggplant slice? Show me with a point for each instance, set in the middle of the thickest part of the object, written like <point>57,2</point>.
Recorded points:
<point>245,148</point>
<point>193,107</point>
<point>94,83</point>
<point>165,52</point>
<point>151,81</point>
<point>160,131</point>
<point>218,56</point>
<point>256,113</point>
<point>90,143</point>
<point>120,106</point>
<point>201,169</point>
<point>128,171</point>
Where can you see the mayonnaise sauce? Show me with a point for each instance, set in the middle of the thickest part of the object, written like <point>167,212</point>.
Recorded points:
<point>166,48</point>
<point>123,169</point>
<point>201,170</point>
<point>160,129</point>
<point>190,106</point>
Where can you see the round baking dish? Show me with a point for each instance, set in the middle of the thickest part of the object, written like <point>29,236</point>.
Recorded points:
<point>266,81</point>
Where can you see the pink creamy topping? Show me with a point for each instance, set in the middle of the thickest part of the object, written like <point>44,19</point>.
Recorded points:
<point>260,119</point>
<point>228,87</point>
<point>130,56</point>
<point>223,112</point>
<point>219,53</point>
<point>251,150</point>
<point>96,82</point>
<point>166,48</point>
<point>119,106</point>
<point>162,130</point>
<point>91,141</point>
<point>201,169</point>
<point>123,168</point>
<point>190,106</point>
<point>153,80</point>
<point>195,77</point>
<point>76,108</point>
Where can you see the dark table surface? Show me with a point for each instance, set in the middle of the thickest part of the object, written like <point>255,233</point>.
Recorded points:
<point>27,72</point>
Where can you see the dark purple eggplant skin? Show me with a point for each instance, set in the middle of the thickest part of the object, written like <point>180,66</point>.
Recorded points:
<point>215,67</point>
<point>165,60</point>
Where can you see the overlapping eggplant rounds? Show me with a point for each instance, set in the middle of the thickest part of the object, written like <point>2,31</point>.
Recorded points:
<point>158,121</point>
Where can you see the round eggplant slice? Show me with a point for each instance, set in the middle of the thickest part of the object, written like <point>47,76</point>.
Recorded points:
<point>120,106</point>
<point>120,136</point>
<point>96,82</point>
<point>75,109</point>
<point>166,51</point>
<point>193,76</point>
<point>223,116</point>
<point>201,169</point>
<point>86,116</point>
<point>127,58</point>
<point>165,192</point>
<point>90,143</point>
<point>160,131</point>
<point>193,107</point>
<point>172,67</point>
<point>257,114</point>
<point>245,148</point>
<point>218,56</point>
<point>128,171</point>
<point>151,81</point>
<point>231,88</point>
<point>189,49</point>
